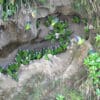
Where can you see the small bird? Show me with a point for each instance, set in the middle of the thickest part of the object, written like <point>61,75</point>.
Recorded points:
<point>78,39</point>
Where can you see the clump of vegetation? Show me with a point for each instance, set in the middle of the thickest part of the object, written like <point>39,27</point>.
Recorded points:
<point>42,1</point>
<point>69,94</point>
<point>9,9</point>
<point>86,29</point>
<point>60,97</point>
<point>58,29</point>
<point>25,56</point>
<point>84,21</point>
<point>97,38</point>
<point>76,19</point>
<point>93,64</point>
<point>91,9</point>
<point>1,1</point>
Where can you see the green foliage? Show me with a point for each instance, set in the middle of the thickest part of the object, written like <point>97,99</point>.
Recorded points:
<point>97,43</point>
<point>73,95</point>
<point>86,29</point>
<point>93,64</point>
<point>60,97</point>
<point>12,70</point>
<point>50,36</point>
<point>76,19</point>
<point>13,67</point>
<point>1,69</point>
<point>58,29</point>
<point>84,21</point>
<point>1,1</point>
<point>69,94</point>
<point>39,55</point>
<point>97,38</point>
<point>9,11</point>
<point>89,9</point>
<point>25,56</point>
<point>11,6</point>
<point>50,20</point>
<point>42,1</point>
<point>46,57</point>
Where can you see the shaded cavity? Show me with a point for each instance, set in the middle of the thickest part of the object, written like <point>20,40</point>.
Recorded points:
<point>8,49</point>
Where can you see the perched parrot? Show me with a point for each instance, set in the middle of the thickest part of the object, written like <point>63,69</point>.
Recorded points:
<point>79,40</point>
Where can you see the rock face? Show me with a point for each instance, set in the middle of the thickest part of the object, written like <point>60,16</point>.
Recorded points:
<point>14,30</point>
<point>41,79</point>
